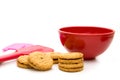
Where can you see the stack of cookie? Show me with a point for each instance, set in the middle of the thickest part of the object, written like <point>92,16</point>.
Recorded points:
<point>71,62</point>
<point>22,62</point>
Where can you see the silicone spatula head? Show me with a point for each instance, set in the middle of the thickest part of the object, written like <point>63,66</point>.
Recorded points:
<point>25,51</point>
<point>16,46</point>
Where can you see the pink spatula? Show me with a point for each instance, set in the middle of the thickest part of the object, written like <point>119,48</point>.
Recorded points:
<point>16,46</point>
<point>25,51</point>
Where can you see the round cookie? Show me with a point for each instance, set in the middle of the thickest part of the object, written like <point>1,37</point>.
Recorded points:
<point>23,65</point>
<point>72,55</point>
<point>22,61</point>
<point>40,61</point>
<point>55,61</point>
<point>70,61</point>
<point>71,70</point>
<point>71,66</point>
<point>54,56</point>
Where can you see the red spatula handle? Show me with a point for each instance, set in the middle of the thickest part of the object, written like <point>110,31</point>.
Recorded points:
<point>9,57</point>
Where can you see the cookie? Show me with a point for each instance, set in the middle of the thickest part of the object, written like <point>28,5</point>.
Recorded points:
<point>71,66</point>
<point>55,61</point>
<point>23,65</point>
<point>70,61</point>
<point>55,56</point>
<point>72,55</point>
<point>40,61</point>
<point>22,61</point>
<point>71,69</point>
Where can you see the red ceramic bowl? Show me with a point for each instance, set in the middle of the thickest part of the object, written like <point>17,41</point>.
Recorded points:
<point>91,41</point>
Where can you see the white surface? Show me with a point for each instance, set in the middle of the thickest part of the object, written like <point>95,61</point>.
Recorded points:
<point>38,21</point>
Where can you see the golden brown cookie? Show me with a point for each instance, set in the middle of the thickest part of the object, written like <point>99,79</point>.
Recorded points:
<point>40,61</point>
<point>71,55</point>
<point>55,61</point>
<point>71,69</point>
<point>69,66</point>
<point>22,61</point>
<point>70,61</point>
<point>55,56</point>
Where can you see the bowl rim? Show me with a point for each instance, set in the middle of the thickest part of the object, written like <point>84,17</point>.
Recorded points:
<point>111,31</point>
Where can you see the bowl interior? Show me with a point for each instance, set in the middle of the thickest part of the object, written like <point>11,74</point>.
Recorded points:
<point>86,30</point>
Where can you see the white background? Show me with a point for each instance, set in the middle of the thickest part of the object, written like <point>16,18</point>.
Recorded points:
<point>38,21</point>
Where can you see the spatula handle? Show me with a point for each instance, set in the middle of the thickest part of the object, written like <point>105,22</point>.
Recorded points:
<point>9,56</point>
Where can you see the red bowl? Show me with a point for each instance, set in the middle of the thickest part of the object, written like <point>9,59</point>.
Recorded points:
<point>91,41</point>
